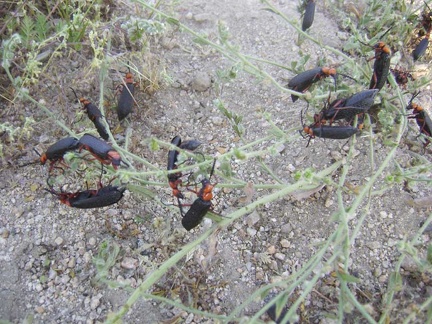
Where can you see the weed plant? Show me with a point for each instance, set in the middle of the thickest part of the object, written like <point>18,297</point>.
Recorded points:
<point>75,30</point>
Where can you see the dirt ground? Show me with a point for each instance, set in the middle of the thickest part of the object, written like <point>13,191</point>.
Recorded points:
<point>48,251</point>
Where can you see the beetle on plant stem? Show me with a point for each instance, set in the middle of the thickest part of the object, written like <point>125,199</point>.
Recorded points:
<point>426,27</point>
<point>381,66</point>
<point>301,82</point>
<point>56,151</point>
<point>422,118</point>
<point>174,179</point>
<point>101,150</point>
<point>422,46</point>
<point>309,15</point>
<point>94,115</point>
<point>201,205</point>
<point>104,196</point>
<point>332,132</point>
<point>319,129</point>
<point>348,108</point>
<point>126,100</point>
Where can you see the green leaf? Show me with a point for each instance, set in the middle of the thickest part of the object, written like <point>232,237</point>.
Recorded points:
<point>154,145</point>
<point>27,29</point>
<point>173,21</point>
<point>395,281</point>
<point>429,254</point>
<point>239,154</point>
<point>41,27</point>
<point>347,277</point>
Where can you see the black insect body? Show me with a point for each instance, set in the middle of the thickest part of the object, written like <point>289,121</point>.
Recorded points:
<point>421,47</point>
<point>174,179</point>
<point>333,132</point>
<point>301,82</point>
<point>100,127</point>
<point>309,15</point>
<point>201,205</point>
<point>101,150</point>
<point>102,197</point>
<point>190,145</point>
<point>425,26</point>
<point>56,151</point>
<point>95,115</point>
<point>271,312</point>
<point>381,66</point>
<point>126,100</point>
<point>350,107</point>
<point>422,118</point>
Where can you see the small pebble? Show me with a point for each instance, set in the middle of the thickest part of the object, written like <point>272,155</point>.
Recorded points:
<point>40,309</point>
<point>65,279</point>
<point>94,303</point>
<point>72,263</point>
<point>92,241</point>
<point>59,240</point>
<point>285,243</point>
<point>216,120</point>
<point>201,82</point>
<point>374,245</point>
<point>280,256</point>
<point>87,257</point>
<point>251,231</point>
<point>129,263</point>
<point>253,218</point>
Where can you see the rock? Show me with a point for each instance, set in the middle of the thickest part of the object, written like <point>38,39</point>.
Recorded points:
<point>251,231</point>
<point>87,257</point>
<point>40,309</point>
<point>252,219</point>
<point>94,303</point>
<point>28,265</point>
<point>285,243</point>
<point>129,263</point>
<point>373,245</point>
<point>271,249</point>
<point>216,120</point>
<point>65,279</point>
<point>201,82</point>
<point>72,263</point>
<point>280,256</point>
<point>58,240</point>
<point>286,228</point>
<point>92,241</point>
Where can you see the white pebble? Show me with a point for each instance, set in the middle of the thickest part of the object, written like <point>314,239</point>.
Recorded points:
<point>280,256</point>
<point>94,303</point>
<point>251,231</point>
<point>59,240</point>
<point>129,263</point>
<point>92,241</point>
